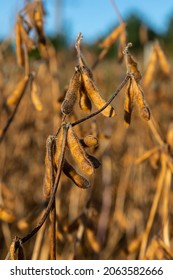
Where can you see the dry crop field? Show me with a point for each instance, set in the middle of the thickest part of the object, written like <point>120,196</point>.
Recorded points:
<point>86,147</point>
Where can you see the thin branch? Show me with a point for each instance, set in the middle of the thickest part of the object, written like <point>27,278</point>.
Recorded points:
<point>107,103</point>
<point>116,11</point>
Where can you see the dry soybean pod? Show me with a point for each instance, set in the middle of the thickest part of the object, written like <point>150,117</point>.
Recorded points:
<point>58,143</point>
<point>48,166</point>
<point>151,68</point>
<point>113,36</point>
<point>128,103</point>
<point>35,97</point>
<point>84,101</point>
<point>162,59</point>
<point>78,152</point>
<point>14,97</point>
<point>71,173</point>
<point>18,42</point>
<point>95,96</point>
<point>140,101</point>
<point>89,141</point>
<point>71,94</point>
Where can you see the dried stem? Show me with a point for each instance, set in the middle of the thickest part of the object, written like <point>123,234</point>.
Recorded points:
<point>52,214</point>
<point>116,11</point>
<point>153,209</point>
<point>156,134</point>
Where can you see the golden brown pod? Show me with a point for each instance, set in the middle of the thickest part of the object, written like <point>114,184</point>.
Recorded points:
<point>110,39</point>
<point>140,101</point>
<point>95,96</point>
<point>6,215</point>
<point>18,42</point>
<point>165,66</point>
<point>16,251</point>
<point>48,166</point>
<point>58,145</point>
<point>89,141</point>
<point>122,44</point>
<point>128,104</point>
<point>79,180</point>
<point>35,97</point>
<point>71,94</point>
<point>14,97</point>
<point>84,101</point>
<point>78,152</point>
<point>95,162</point>
<point>131,64</point>
<point>38,22</point>
<point>151,68</point>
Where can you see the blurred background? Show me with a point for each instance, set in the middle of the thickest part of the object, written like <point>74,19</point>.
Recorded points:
<point>107,221</point>
<point>94,19</point>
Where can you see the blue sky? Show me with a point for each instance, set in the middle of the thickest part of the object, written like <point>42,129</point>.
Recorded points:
<point>91,17</point>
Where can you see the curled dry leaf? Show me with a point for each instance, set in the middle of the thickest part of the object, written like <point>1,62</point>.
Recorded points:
<point>35,96</point>
<point>78,179</point>
<point>78,152</point>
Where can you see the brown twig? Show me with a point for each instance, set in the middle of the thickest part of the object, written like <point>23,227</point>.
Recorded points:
<point>153,209</point>
<point>116,11</point>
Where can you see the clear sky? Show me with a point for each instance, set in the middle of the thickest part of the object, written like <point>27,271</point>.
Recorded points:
<point>91,17</point>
